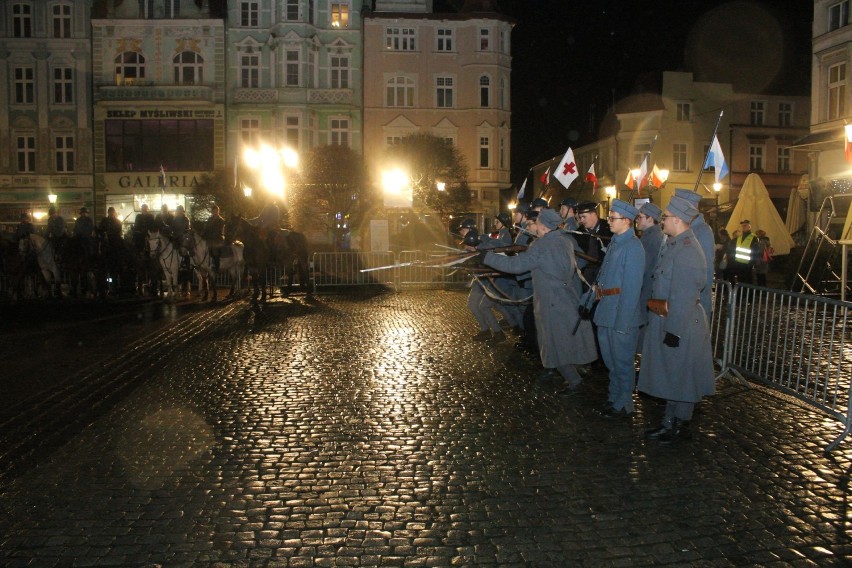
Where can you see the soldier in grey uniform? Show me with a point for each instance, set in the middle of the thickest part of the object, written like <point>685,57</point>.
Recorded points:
<point>506,286</point>
<point>704,233</point>
<point>479,304</point>
<point>618,314</point>
<point>568,212</point>
<point>677,359</point>
<point>550,260</point>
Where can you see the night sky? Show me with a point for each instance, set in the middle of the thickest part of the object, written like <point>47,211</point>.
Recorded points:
<point>572,59</point>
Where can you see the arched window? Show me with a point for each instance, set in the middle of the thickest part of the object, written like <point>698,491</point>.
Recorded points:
<point>129,68</point>
<point>400,92</point>
<point>485,91</point>
<point>189,68</point>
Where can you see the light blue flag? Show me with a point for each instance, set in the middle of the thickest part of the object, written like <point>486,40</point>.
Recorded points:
<point>716,159</point>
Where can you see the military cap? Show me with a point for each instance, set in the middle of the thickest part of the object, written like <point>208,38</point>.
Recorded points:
<point>689,195</point>
<point>745,222</point>
<point>587,207</point>
<point>569,202</point>
<point>682,209</point>
<point>651,210</point>
<point>539,202</point>
<point>504,219</point>
<point>522,207</point>
<point>531,215</point>
<point>84,210</point>
<point>624,209</point>
<point>549,218</point>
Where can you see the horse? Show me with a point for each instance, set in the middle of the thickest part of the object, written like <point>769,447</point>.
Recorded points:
<point>290,250</point>
<point>80,266</point>
<point>161,247</point>
<point>36,246</point>
<point>257,254</point>
<point>230,261</point>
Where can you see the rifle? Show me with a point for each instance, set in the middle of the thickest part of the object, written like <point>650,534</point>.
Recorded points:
<point>587,300</point>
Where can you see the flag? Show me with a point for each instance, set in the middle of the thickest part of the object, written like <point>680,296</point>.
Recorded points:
<point>716,159</point>
<point>162,176</point>
<point>522,190</point>
<point>590,176</point>
<point>545,177</point>
<point>566,172</point>
<point>656,177</point>
<point>629,181</point>
<point>848,150</point>
<point>642,178</point>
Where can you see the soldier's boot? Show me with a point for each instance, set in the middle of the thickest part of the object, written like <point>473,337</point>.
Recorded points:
<point>679,431</point>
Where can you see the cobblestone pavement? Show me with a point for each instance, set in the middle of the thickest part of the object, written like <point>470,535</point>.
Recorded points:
<point>371,432</point>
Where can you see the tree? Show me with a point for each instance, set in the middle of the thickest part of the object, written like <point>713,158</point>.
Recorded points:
<point>333,188</point>
<point>218,188</point>
<point>429,160</point>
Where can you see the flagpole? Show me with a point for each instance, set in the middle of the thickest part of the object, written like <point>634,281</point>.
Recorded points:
<point>704,163</point>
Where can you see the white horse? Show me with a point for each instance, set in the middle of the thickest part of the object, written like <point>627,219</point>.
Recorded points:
<point>162,248</point>
<point>46,258</point>
<point>231,262</point>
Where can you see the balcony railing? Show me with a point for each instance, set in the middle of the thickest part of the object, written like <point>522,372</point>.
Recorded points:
<point>154,92</point>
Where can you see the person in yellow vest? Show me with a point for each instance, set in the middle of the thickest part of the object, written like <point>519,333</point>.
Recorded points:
<point>745,254</point>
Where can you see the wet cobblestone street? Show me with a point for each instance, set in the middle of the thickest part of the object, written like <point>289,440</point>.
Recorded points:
<point>370,431</point>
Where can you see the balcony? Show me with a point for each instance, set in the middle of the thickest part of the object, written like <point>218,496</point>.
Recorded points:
<point>242,95</point>
<point>330,96</point>
<point>140,91</point>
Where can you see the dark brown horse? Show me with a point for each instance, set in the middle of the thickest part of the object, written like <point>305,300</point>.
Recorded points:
<point>256,255</point>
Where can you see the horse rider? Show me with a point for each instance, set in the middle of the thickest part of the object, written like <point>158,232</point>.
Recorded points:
<point>269,221</point>
<point>141,225</point>
<point>84,230</point>
<point>25,227</point>
<point>214,234</point>
<point>109,233</point>
<point>56,229</point>
<point>164,221</point>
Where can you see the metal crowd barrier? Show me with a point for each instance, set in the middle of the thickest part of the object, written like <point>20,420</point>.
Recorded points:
<point>796,343</point>
<point>338,269</point>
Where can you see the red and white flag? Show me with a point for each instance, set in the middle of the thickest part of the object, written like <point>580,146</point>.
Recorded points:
<point>657,177</point>
<point>642,178</point>
<point>566,172</point>
<point>590,176</point>
<point>629,182</point>
<point>545,177</point>
<point>523,190</point>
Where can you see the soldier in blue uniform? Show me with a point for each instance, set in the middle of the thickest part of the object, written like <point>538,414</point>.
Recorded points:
<point>677,359</point>
<point>506,286</point>
<point>652,239</point>
<point>550,261</point>
<point>707,240</point>
<point>479,304</point>
<point>618,314</point>
<point>568,212</point>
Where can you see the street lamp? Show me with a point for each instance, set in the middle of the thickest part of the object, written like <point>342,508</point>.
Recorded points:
<point>610,193</point>
<point>247,191</point>
<point>397,188</point>
<point>51,197</point>
<point>441,186</point>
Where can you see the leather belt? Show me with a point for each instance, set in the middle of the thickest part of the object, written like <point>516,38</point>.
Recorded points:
<point>601,292</point>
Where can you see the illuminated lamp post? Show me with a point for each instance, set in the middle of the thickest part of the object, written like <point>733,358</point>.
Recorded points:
<point>610,194</point>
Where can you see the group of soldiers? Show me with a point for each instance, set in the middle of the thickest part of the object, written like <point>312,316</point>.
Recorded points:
<point>601,293</point>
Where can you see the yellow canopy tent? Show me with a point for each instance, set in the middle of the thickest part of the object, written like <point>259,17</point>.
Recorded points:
<point>755,205</point>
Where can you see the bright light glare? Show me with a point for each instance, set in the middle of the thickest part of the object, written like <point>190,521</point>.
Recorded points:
<point>51,197</point>
<point>290,157</point>
<point>251,158</point>
<point>394,181</point>
<point>610,190</point>
<point>512,206</point>
<point>848,128</point>
<point>664,175</point>
<point>717,187</point>
<point>635,173</point>
<point>39,215</point>
<point>441,186</point>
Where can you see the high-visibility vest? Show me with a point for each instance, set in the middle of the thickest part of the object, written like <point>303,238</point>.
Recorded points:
<point>743,251</point>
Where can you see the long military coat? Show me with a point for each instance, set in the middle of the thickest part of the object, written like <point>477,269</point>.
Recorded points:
<point>623,268</point>
<point>707,240</point>
<point>550,260</point>
<point>652,240</point>
<point>683,373</point>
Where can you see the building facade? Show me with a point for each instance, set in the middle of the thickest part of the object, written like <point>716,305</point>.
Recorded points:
<point>158,83</point>
<point>675,122</point>
<point>448,75</point>
<point>45,107</point>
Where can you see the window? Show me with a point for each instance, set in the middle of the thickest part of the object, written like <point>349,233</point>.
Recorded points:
<point>838,15</point>
<point>680,161</point>
<point>444,93</point>
<point>400,39</point>
<point>311,11</point>
<point>503,103</point>
<point>22,20</point>
<point>189,68</point>
<point>339,132</point>
<point>146,9</point>
<point>64,154</point>
<point>339,72</point>
<point>291,68</point>
<point>837,91</point>
<point>684,112</point>
<point>502,46</point>
<point>755,157</point>
<point>250,131</point>
<point>63,83</point>
<point>249,71</point>
<point>639,151</point>
<point>502,153</point>
<point>758,113</point>
<point>292,133</point>
<point>445,39</point>
<point>400,92</point>
<point>785,114</point>
<point>484,39</point>
<point>249,14</point>
<point>484,150</point>
<point>24,85</point>
<point>485,91</point>
<point>129,68</point>
<point>25,149</point>
<point>340,14</point>
<point>783,159</point>
<point>172,9</point>
<point>145,145</point>
<point>393,140</point>
<point>62,21</point>
<point>291,11</point>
